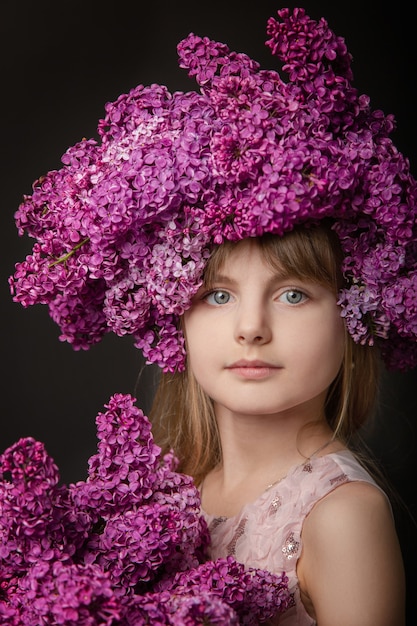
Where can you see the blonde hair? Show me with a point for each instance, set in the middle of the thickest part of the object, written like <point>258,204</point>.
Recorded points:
<point>182,414</point>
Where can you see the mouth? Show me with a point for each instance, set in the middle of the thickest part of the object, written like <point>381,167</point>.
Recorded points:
<point>252,370</point>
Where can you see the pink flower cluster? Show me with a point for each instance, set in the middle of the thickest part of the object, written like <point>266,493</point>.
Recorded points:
<point>126,547</point>
<point>124,229</point>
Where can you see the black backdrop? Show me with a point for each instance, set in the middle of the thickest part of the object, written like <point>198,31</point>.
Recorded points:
<point>60,63</point>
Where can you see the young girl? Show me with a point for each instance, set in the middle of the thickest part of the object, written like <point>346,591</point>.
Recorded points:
<point>258,239</point>
<point>274,389</point>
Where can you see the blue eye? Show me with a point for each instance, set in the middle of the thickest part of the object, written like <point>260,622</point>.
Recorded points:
<point>293,296</point>
<point>217,297</point>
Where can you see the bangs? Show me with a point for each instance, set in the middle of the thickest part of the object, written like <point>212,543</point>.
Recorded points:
<point>308,253</point>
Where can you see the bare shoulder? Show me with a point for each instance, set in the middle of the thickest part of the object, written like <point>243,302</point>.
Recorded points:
<point>350,543</point>
<point>353,517</point>
<point>356,501</point>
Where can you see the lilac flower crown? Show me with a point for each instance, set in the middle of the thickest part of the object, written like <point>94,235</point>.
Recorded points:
<point>125,227</point>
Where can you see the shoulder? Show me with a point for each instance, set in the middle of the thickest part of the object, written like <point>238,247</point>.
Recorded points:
<point>352,501</point>
<point>353,516</point>
<point>350,543</point>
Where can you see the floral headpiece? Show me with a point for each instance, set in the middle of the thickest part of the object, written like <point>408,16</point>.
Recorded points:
<point>124,229</point>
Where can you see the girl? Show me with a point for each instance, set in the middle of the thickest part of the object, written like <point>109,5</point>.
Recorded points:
<point>258,240</point>
<point>274,390</point>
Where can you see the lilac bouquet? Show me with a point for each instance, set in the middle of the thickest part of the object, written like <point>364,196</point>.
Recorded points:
<point>126,547</point>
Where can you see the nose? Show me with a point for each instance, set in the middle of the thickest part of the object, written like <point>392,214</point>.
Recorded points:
<point>252,324</point>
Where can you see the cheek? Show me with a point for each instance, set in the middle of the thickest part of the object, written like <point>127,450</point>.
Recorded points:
<point>323,345</point>
<point>333,345</point>
<point>339,334</point>
<point>197,338</point>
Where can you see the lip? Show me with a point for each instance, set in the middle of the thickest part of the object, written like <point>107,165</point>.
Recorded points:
<point>252,370</point>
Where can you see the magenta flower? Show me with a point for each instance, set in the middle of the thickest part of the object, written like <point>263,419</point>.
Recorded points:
<point>125,547</point>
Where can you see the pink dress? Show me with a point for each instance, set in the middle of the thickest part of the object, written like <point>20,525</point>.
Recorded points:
<point>266,533</point>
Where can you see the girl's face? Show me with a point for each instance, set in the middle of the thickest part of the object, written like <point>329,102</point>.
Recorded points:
<point>261,342</point>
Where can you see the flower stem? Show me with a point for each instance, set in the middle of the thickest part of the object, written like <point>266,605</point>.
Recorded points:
<point>66,256</point>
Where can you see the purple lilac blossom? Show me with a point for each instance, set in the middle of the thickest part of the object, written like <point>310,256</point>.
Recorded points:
<point>125,547</point>
<point>124,229</point>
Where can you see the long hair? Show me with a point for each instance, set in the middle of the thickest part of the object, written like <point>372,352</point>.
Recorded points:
<point>182,413</point>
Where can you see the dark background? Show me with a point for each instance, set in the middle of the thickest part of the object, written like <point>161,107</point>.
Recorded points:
<point>60,63</point>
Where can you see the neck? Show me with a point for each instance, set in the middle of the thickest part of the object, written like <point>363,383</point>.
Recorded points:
<point>257,453</point>
<point>265,446</point>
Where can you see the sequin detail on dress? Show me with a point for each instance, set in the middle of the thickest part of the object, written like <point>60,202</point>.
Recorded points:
<point>216,522</point>
<point>290,547</point>
<point>240,529</point>
<point>274,506</point>
<point>342,478</point>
